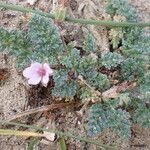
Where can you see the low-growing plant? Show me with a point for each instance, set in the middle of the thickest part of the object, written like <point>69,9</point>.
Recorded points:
<point>86,74</point>
<point>131,56</point>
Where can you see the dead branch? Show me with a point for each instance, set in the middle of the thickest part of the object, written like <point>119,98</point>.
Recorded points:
<point>40,109</point>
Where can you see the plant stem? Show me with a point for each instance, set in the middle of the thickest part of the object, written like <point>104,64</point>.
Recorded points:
<point>74,20</point>
<point>32,143</point>
<point>61,134</point>
<point>62,144</point>
<point>25,10</point>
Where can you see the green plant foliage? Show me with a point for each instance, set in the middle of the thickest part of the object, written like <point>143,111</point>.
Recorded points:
<point>131,36</point>
<point>140,111</point>
<point>100,82</point>
<point>103,117</point>
<point>17,41</point>
<point>63,86</point>
<point>45,38</point>
<point>142,116</point>
<point>122,101</point>
<point>144,87</point>
<point>71,60</point>
<point>135,45</point>
<point>121,7</point>
<point>60,77</point>
<point>87,66</point>
<point>90,42</point>
<point>42,42</point>
<point>111,60</point>
<point>122,11</point>
<point>17,44</point>
<point>138,59</point>
<point>130,67</point>
<point>68,89</point>
<point>133,62</point>
<point>32,143</point>
<point>86,94</point>
<point>116,35</point>
<point>141,103</point>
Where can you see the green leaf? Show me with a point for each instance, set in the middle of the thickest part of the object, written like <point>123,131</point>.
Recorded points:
<point>62,144</point>
<point>111,60</point>
<point>131,67</point>
<point>32,143</point>
<point>100,81</point>
<point>18,45</point>
<point>144,86</point>
<point>86,94</point>
<point>102,117</point>
<point>142,116</point>
<point>60,77</point>
<point>46,40</point>
<point>123,100</point>
<point>71,60</point>
<point>121,7</point>
<point>140,110</point>
<point>90,42</point>
<point>68,89</point>
<point>87,66</point>
<point>116,36</point>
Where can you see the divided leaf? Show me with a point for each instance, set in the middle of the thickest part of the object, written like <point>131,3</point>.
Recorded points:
<point>60,77</point>
<point>72,59</point>
<point>17,44</point>
<point>90,42</point>
<point>111,60</point>
<point>142,116</point>
<point>46,39</point>
<point>100,82</point>
<point>102,117</point>
<point>68,89</point>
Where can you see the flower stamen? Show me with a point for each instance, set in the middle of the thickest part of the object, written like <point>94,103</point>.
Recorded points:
<point>41,72</point>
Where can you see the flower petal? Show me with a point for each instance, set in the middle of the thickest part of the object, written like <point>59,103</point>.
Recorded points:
<point>48,69</point>
<point>36,66</point>
<point>32,70</point>
<point>27,73</point>
<point>34,80</point>
<point>45,80</point>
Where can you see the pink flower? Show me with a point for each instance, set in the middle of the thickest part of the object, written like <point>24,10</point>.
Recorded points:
<point>37,73</point>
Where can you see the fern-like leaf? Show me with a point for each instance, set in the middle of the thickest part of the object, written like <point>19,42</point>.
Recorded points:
<point>90,42</point>
<point>111,60</point>
<point>102,117</point>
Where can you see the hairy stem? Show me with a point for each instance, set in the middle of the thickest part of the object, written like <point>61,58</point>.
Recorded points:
<point>74,20</point>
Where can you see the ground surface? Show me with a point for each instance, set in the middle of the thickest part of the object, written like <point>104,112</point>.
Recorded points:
<point>16,96</point>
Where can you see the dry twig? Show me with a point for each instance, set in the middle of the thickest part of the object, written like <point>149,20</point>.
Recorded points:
<point>40,109</point>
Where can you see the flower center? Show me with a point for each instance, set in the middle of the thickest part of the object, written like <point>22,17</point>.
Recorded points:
<point>41,72</point>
